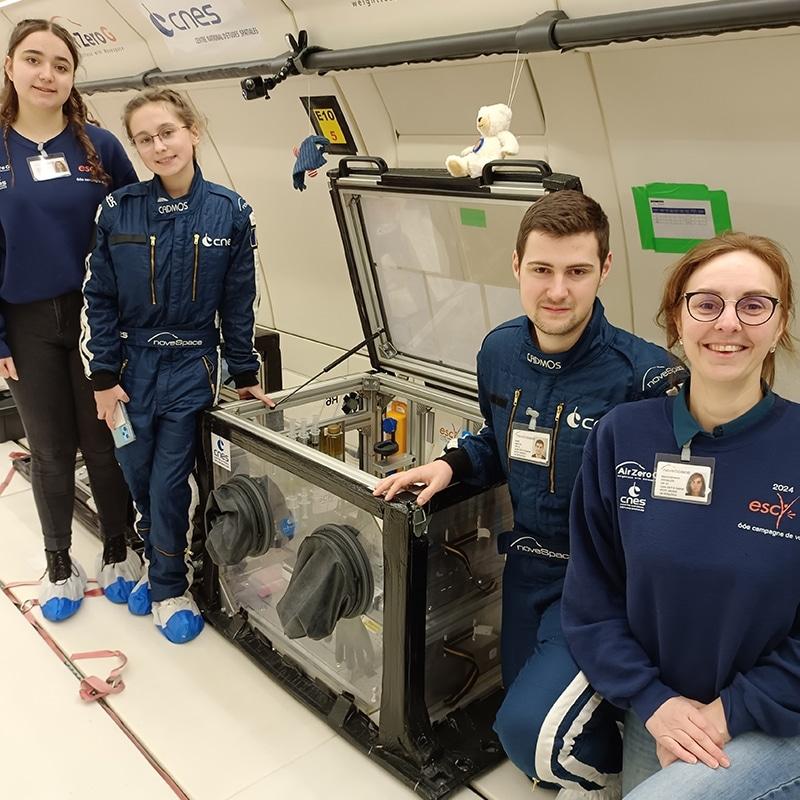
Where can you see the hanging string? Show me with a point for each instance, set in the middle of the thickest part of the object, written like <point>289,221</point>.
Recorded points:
<point>516,75</point>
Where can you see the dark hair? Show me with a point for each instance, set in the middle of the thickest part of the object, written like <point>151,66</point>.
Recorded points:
<point>565,213</point>
<point>761,247</point>
<point>183,107</point>
<point>74,108</point>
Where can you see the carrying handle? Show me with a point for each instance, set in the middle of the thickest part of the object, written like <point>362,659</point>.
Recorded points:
<point>493,169</point>
<point>346,169</point>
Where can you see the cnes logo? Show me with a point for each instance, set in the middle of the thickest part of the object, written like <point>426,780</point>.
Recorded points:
<point>208,241</point>
<point>183,19</point>
<point>631,500</point>
<point>575,420</point>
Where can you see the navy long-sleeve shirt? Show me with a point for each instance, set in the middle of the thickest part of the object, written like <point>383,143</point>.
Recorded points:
<point>666,598</point>
<point>46,226</point>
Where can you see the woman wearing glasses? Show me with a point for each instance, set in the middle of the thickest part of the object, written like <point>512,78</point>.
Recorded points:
<point>685,611</point>
<point>56,167</point>
<point>172,255</point>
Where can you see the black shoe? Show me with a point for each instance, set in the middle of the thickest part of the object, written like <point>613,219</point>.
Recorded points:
<point>115,549</point>
<point>59,565</point>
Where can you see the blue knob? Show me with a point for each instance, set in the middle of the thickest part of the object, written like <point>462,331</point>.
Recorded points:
<point>287,527</point>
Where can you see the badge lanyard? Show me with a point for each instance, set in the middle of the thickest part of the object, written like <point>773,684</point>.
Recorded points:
<point>530,442</point>
<point>46,167</point>
<point>683,478</point>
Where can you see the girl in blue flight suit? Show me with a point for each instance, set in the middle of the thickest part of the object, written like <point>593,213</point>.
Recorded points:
<point>172,256</point>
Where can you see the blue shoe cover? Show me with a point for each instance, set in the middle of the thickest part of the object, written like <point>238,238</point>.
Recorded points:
<point>57,609</point>
<point>118,580</point>
<point>178,618</point>
<point>139,602</point>
<point>59,601</point>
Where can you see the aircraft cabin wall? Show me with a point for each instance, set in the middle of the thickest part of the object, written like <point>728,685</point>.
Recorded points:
<point>709,110</point>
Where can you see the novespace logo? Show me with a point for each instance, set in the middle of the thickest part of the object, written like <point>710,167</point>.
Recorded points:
<point>183,19</point>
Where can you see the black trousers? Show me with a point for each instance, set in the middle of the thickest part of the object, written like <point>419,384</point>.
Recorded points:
<point>56,404</point>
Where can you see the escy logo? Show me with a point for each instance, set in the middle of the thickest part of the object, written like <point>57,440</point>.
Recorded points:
<point>779,510</point>
<point>575,420</point>
<point>183,19</point>
<point>209,242</point>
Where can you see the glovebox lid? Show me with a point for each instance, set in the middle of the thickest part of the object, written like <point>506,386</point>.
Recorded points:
<point>429,257</point>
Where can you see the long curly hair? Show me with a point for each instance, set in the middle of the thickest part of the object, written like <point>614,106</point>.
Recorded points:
<point>74,108</point>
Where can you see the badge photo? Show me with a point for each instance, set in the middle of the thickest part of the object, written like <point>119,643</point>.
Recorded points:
<point>530,445</point>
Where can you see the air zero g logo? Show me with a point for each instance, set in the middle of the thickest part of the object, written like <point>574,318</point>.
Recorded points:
<point>209,242</point>
<point>779,510</point>
<point>575,420</point>
<point>634,471</point>
<point>183,19</point>
<point>547,363</point>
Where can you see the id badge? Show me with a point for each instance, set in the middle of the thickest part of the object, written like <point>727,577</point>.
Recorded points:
<point>48,167</point>
<point>683,481</point>
<point>530,444</point>
<point>123,430</point>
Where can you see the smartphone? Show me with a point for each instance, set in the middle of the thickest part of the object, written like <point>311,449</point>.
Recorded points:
<point>123,430</point>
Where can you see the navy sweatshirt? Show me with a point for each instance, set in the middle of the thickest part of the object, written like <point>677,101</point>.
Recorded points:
<point>666,598</point>
<point>46,226</point>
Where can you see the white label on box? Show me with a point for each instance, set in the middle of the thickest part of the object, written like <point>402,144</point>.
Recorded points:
<point>682,219</point>
<point>221,452</point>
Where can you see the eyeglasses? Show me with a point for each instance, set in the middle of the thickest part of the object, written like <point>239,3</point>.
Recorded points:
<point>753,309</point>
<point>144,141</point>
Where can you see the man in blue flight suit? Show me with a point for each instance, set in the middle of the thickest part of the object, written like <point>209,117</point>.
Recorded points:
<point>544,379</point>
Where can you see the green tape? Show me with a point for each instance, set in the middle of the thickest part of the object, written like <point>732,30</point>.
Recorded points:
<point>474,217</point>
<point>674,217</point>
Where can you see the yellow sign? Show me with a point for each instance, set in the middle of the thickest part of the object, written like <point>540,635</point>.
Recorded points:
<point>329,125</point>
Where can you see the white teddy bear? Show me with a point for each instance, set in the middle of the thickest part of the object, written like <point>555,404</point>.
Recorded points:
<point>496,142</point>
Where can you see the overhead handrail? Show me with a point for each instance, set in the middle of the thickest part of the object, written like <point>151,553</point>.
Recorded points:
<point>551,30</point>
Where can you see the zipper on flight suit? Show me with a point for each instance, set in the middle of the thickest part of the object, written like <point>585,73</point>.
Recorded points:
<point>122,369</point>
<point>517,393</point>
<point>210,380</point>
<point>196,259</point>
<point>152,269</point>
<point>556,423</point>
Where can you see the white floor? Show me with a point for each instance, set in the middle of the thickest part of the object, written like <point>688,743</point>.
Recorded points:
<point>216,724</point>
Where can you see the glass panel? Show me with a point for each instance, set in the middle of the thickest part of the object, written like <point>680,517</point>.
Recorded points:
<point>350,658</point>
<point>421,428</point>
<point>464,574</point>
<point>444,271</point>
<point>462,657</point>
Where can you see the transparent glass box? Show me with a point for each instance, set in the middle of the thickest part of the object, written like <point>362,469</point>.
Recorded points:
<point>410,673</point>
